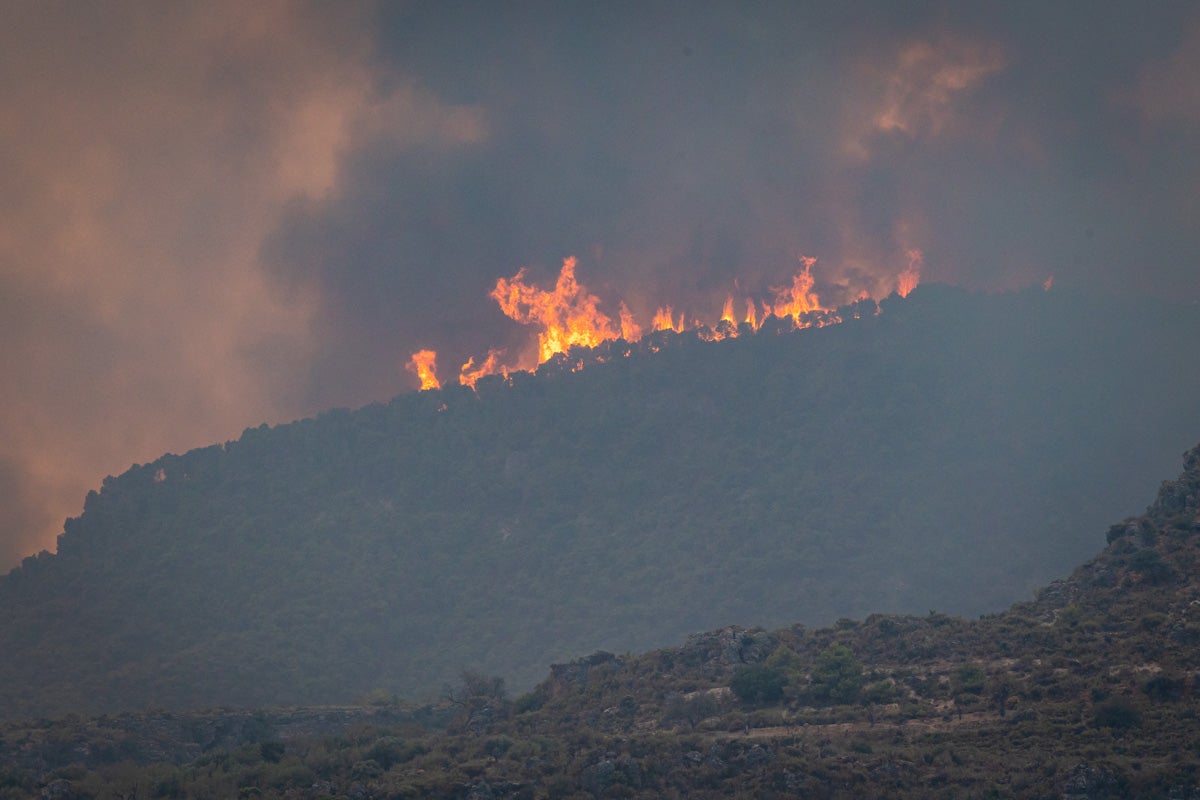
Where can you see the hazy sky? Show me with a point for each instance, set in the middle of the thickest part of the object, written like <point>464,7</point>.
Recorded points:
<point>217,214</point>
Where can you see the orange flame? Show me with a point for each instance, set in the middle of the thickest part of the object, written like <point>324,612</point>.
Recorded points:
<point>799,298</point>
<point>423,364</point>
<point>751,314</point>
<point>490,366</point>
<point>907,280</point>
<point>567,316</point>
<point>570,316</point>
<point>664,321</point>
<point>727,311</point>
<point>630,330</point>
<point>1049,282</point>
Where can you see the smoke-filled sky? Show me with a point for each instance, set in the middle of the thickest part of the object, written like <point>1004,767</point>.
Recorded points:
<point>216,214</point>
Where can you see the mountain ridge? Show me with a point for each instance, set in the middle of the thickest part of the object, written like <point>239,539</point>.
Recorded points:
<point>952,452</point>
<point>1087,692</point>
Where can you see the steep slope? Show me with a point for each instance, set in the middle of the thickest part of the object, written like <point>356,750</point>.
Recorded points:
<point>1086,693</point>
<point>953,452</point>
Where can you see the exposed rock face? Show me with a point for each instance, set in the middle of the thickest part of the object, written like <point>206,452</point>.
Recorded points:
<point>1086,782</point>
<point>619,770</point>
<point>565,678</point>
<point>727,647</point>
<point>1182,496</point>
<point>60,789</point>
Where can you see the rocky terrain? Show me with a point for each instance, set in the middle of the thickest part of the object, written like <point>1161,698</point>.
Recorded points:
<point>1087,692</point>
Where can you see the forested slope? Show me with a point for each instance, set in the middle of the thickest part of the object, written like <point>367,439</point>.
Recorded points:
<point>951,453</point>
<point>1087,692</point>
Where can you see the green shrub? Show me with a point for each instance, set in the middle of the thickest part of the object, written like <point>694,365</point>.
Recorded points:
<point>1164,689</point>
<point>1116,715</point>
<point>880,692</point>
<point>1151,566</point>
<point>969,679</point>
<point>1152,621</point>
<point>1070,616</point>
<point>388,751</point>
<point>758,684</point>
<point>529,701</point>
<point>837,676</point>
<point>271,751</point>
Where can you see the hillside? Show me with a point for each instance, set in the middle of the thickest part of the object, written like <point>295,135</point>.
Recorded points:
<point>1086,693</point>
<point>952,453</point>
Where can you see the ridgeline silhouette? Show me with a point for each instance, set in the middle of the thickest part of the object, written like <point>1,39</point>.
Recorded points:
<point>954,453</point>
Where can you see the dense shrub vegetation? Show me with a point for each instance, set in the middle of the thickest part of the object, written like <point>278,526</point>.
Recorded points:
<point>951,453</point>
<point>1070,695</point>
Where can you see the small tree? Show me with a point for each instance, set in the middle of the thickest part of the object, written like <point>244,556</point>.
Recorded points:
<point>1000,694</point>
<point>880,692</point>
<point>1153,569</point>
<point>481,699</point>
<point>758,684</point>
<point>968,679</point>
<point>837,676</point>
<point>1116,715</point>
<point>474,684</point>
<point>692,710</point>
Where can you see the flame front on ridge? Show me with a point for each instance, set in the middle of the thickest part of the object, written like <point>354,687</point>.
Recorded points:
<point>569,316</point>
<point>907,280</point>
<point>423,364</point>
<point>799,298</point>
<point>469,374</point>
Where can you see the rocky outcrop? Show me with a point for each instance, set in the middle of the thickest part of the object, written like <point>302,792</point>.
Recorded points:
<point>1180,498</point>
<point>727,647</point>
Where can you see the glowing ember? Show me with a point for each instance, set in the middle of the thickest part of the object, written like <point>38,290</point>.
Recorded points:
<point>907,280</point>
<point>423,364</point>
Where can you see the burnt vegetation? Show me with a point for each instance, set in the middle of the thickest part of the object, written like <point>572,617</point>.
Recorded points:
<point>953,452</point>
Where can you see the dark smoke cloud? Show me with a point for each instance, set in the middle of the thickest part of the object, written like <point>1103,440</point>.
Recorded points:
<point>219,214</point>
<point>675,150</point>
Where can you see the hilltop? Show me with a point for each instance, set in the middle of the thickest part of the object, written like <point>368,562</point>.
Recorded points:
<point>952,453</point>
<point>1087,692</point>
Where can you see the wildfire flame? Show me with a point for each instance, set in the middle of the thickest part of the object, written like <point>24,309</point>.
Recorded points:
<point>751,314</point>
<point>423,364</point>
<point>907,280</point>
<point>490,366</point>
<point>569,316</point>
<point>727,311</point>
<point>664,321</point>
<point>630,330</point>
<point>798,299</point>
